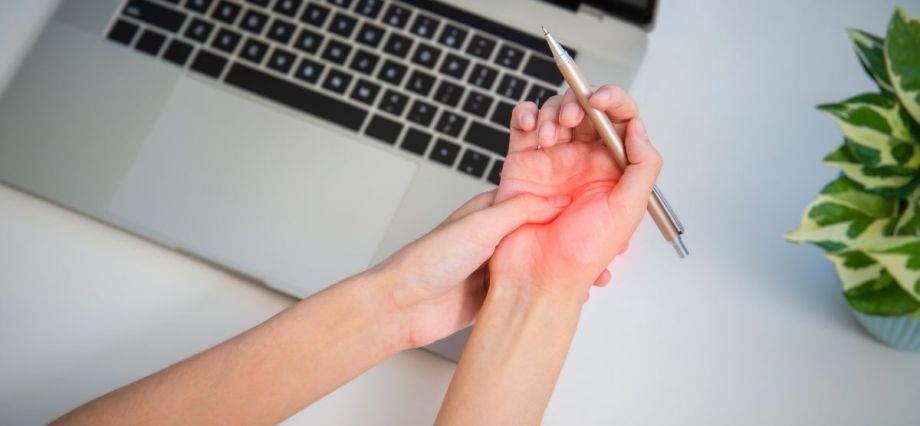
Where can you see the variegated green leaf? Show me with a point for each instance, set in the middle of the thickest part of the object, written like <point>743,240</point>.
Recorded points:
<point>903,61</point>
<point>900,256</point>
<point>877,179</point>
<point>909,222</point>
<point>882,296</point>
<point>854,268</point>
<point>876,131</point>
<point>870,49</point>
<point>845,215</point>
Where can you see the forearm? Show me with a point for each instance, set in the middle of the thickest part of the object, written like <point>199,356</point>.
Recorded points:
<point>513,358</point>
<point>271,371</point>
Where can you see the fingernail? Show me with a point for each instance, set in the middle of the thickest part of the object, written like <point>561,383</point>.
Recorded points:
<point>639,130</point>
<point>547,132</point>
<point>527,120</point>
<point>560,200</point>
<point>570,111</point>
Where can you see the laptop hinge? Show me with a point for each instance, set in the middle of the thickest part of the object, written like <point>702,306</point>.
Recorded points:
<point>587,9</point>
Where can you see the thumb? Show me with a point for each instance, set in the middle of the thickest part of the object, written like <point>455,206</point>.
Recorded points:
<point>487,227</point>
<point>631,194</point>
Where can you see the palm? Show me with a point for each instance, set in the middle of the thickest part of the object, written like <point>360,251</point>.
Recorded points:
<point>572,246</point>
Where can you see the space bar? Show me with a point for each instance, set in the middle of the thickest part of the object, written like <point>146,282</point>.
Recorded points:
<point>295,96</point>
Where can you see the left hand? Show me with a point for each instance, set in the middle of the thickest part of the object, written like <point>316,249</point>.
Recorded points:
<point>438,282</point>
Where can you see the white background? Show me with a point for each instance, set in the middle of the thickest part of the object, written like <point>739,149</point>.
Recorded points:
<point>748,330</point>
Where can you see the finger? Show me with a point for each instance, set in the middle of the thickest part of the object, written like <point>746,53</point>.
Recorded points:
<point>603,279</point>
<point>486,228</point>
<point>625,247</point>
<point>523,123</point>
<point>478,202</point>
<point>629,199</point>
<point>570,112</point>
<point>546,122</point>
<point>614,101</point>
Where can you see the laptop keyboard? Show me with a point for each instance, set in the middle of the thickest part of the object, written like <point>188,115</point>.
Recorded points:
<point>423,76</point>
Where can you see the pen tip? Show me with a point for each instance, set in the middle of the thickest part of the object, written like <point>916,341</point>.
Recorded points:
<point>545,32</point>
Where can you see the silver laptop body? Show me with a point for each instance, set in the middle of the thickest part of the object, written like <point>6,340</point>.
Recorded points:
<point>260,164</point>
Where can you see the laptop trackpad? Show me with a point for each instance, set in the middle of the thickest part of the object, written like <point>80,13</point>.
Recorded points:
<point>259,190</point>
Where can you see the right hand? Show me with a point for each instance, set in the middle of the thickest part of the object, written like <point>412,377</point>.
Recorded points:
<point>556,152</point>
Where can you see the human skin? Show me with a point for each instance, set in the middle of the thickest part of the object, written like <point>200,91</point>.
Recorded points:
<point>541,273</point>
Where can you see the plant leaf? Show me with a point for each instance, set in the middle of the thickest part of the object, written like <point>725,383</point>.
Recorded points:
<point>880,296</point>
<point>909,222</point>
<point>870,49</point>
<point>891,179</point>
<point>903,61</point>
<point>900,256</point>
<point>876,132</point>
<point>854,268</point>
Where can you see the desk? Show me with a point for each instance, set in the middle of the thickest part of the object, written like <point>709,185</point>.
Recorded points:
<point>748,330</point>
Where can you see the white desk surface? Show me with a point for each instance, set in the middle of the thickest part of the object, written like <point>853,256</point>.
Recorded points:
<point>748,330</point>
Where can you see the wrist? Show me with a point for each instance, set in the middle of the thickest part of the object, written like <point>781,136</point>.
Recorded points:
<point>374,294</point>
<point>523,292</point>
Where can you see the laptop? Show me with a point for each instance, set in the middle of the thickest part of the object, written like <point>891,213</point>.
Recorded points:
<point>295,142</point>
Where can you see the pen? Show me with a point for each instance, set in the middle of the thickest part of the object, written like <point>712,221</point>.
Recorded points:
<point>658,207</point>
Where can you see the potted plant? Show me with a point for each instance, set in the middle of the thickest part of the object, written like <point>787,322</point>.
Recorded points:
<point>868,219</point>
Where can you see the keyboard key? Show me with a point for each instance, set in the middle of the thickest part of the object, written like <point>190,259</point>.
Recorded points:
<point>199,30</point>
<point>370,35</point>
<point>261,3</point>
<point>392,72</point>
<point>337,81</point>
<point>226,40</point>
<point>123,32</point>
<point>226,12</point>
<point>450,123</point>
<point>424,26</point>
<point>448,93</point>
<point>488,138</point>
<point>315,15</point>
<point>483,76</point>
<point>341,3</point>
<point>296,96</point>
<point>308,41</point>
<point>383,129</point>
<point>454,66</point>
<point>444,152</point>
<point>281,60</point>
<point>159,16</point>
<point>336,51</point>
<point>481,47</point>
<point>208,63</point>
<point>288,7</point>
<point>509,57</point>
<point>477,104</point>
<point>150,42</point>
<point>397,45</point>
<point>502,114</point>
<point>473,163</point>
<point>369,8</point>
<point>254,50</point>
<point>415,141</point>
<point>364,62</point>
<point>281,31</point>
<point>172,1</point>
<point>200,6</point>
<point>421,112</point>
<point>393,102</point>
<point>178,52</point>
<point>511,87</point>
<point>365,91</point>
<point>396,16</point>
<point>452,36</point>
<point>544,69</point>
<point>426,55</point>
<point>538,94</point>
<point>343,25</point>
<point>420,82</point>
<point>495,174</point>
<point>309,71</point>
<point>254,21</point>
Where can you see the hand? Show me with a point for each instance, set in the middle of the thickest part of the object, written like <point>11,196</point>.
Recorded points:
<point>556,152</point>
<point>439,281</point>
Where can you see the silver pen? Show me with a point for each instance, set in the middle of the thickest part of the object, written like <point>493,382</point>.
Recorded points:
<point>658,208</point>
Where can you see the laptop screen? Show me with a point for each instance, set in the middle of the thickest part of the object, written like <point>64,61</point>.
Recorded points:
<point>640,12</point>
